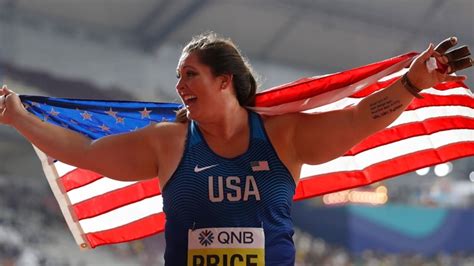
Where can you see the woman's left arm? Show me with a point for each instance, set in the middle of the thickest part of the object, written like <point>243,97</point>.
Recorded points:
<point>319,138</point>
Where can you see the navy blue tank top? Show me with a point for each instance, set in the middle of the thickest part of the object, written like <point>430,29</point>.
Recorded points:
<point>260,194</point>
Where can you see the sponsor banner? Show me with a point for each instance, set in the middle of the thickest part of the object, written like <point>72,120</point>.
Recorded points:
<point>226,237</point>
<point>226,246</point>
<point>227,257</point>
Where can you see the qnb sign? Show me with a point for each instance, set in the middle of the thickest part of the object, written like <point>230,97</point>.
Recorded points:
<point>235,238</point>
<point>226,246</point>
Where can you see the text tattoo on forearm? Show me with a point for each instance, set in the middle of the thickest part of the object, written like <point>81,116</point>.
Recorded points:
<point>384,106</point>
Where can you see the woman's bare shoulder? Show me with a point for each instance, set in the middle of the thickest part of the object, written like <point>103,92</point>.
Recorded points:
<point>168,130</point>
<point>169,140</point>
<point>278,121</point>
<point>166,126</point>
<point>280,128</point>
<point>166,137</point>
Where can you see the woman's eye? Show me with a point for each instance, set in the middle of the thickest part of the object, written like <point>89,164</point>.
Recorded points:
<point>187,74</point>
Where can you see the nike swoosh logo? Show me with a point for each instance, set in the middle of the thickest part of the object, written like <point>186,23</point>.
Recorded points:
<point>198,169</point>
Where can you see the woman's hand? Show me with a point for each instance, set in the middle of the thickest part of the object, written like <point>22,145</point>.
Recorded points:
<point>422,78</point>
<point>10,106</point>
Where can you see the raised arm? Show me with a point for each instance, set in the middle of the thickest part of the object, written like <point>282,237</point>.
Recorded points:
<point>131,156</point>
<point>319,138</point>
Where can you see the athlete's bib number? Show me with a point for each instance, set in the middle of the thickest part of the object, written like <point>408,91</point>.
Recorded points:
<point>229,246</point>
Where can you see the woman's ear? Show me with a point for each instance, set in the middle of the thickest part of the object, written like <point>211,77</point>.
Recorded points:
<point>226,79</point>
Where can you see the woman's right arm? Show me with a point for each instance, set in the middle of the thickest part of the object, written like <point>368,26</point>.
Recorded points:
<point>130,156</point>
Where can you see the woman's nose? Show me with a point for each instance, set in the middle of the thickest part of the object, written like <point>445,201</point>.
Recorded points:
<point>178,85</point>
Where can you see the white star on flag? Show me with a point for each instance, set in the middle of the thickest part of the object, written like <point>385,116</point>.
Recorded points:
<point>105,128</point>
<point>86,115</point>
<point>145,113</point>
<point>53,112</point>
<point>120,120</point>
<point>111,113</point>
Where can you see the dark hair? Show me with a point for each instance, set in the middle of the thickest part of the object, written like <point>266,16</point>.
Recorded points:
<point>223,57</point>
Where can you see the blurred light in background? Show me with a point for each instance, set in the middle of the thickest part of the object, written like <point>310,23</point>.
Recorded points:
<point>471,176</point>
<point>377,196</point>
<point>443,169</point>
<point>423,171</point>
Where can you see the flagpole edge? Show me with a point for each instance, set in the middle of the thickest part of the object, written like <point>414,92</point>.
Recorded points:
<point>63,200</point>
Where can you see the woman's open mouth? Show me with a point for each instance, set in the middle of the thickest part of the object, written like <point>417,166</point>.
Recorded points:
<point>189,99</point>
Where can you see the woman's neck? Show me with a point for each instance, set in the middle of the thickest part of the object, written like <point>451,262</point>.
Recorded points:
<point>228,123</point>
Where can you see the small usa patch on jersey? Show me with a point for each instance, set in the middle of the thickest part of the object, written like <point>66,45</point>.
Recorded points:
<point>260,166</point>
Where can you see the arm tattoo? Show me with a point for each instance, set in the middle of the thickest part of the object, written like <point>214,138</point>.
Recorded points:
<point>384,107</point>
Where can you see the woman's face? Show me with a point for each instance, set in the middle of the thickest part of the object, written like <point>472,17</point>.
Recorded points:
<point>197,86</point>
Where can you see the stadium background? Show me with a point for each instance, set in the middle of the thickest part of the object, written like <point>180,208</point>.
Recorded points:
<point>129,50</point>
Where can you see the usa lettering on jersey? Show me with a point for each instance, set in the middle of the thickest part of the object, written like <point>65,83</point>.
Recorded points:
<point>229,188</point>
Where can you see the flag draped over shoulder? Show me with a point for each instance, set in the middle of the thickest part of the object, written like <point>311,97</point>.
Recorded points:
<point>101,211</point>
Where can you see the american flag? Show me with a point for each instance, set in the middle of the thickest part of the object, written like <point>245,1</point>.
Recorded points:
<point>101,211</point>
<point>260,166</point>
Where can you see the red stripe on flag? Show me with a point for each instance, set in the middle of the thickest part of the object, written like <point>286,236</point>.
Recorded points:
<point>144,227</point>
<point>116,199</point>
<point>404,131</point>
<point>78,178</point>
<point>328,183</point>
<point>383,84</point>
<point>310,87</point>
<point>374,87</point>
<point>450,85</point>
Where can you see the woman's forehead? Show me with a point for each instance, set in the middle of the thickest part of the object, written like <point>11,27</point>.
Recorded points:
<point>188,59</point>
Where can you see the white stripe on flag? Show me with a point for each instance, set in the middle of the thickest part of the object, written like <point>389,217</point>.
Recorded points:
<point>63,168</point>
<point>96,188</point>
<point>341,104</point>
<point>123,215</point>
<point>388,151</point>
<point>394,75</point>
<point>450,92</point>
<point>424,113</point>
